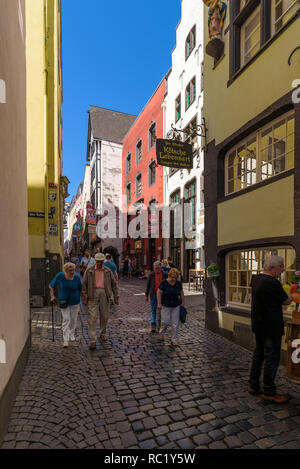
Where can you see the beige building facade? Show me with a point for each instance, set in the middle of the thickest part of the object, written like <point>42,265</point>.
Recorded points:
<point>14,308</point>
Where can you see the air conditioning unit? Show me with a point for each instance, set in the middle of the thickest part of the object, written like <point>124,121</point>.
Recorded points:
<point>36,301</point>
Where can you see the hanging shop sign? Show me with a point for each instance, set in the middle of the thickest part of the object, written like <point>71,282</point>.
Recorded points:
<point>174,154</point>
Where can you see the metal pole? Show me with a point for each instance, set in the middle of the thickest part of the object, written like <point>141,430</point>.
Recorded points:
<point>53,339</point>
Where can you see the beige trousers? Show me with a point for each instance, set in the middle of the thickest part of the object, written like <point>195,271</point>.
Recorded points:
<point>98,306</point>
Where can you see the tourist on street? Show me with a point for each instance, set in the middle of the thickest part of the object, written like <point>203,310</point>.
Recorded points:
<point>98,286</point>
<point>169,298</point>
<point>268,297</point>
<point>109,263</point>
<point>125,267</point>
<point>69,299</point>
<point>86,262</point>
<point>173,266</point>
<point>154,280</point>
<point>166,267</point>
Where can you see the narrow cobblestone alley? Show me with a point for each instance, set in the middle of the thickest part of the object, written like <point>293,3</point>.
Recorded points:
<point>136,392</point>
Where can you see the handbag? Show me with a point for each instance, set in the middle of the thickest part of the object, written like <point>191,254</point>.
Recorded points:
<point>64,303</point>
<point>182,314</point>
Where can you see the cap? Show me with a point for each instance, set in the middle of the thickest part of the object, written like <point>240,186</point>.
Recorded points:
<point>99,256</point>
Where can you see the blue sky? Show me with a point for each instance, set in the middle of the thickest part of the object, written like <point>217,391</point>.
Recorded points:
<point>115,53</point>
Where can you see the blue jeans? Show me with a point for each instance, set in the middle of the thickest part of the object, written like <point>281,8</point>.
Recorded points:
<point>153,303</point>
<point>267,352</point>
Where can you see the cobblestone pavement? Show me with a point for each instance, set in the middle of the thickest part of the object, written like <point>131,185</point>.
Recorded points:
<point>136,392</point>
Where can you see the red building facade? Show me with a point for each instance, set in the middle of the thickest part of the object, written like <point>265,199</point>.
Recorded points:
<point>142,179</point>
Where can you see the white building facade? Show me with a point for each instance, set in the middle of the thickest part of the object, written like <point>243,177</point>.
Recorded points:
<point>183,110</point>
<point>107,130</point>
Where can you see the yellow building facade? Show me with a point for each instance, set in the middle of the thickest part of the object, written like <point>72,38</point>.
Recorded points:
<point>46,186</point>
<point>252,157</point>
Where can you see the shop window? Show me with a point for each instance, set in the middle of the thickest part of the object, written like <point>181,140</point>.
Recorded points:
<point>241,265</point>
<point>264,154</point>
<point>190,198</point>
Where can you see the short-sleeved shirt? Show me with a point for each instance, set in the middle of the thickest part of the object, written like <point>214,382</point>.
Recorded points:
<point>111,266</point>
<point>89,261</point>
<point>69,290</point>
<point>266,310</point>
<point>171,294</point>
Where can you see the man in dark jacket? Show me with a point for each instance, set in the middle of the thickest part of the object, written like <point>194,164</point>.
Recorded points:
<point>268,297</point>
<point>154,280</point>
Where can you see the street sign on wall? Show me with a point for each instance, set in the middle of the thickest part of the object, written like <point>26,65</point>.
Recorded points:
<point>174,154</point>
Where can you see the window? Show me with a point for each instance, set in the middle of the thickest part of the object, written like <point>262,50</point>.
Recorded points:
<point>250,36</point>
<point>128,193</point>
<point>139,152</point>
<point>190,198</point>
<point>152,173</point>
<point>178,108</point>
<point>175,243</point>
<point>190,132</point>
<point>138,185</point>
<point>152,136</point>
<point>282,12</point>
<point>268,152</point>
<point>128,163</point>
<point>190,93</point>
<point>190,42</point>
<point>241,265</point>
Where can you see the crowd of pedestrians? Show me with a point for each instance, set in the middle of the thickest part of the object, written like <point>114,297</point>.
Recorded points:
<point>96,286</point>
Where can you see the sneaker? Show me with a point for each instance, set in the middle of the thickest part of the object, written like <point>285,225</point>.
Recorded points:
<point>277,399</point>
<point>72,339</point>
<point>160,336</point>
<point>92,345</point>
<point>103,338</point>
<point>252,391</point>
<point>65,344</point>
<point>153,329</point>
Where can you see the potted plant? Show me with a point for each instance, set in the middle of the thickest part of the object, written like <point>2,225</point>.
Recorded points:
<point>213,270</point>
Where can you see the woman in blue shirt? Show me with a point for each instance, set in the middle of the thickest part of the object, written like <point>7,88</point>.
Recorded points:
<point>169,298</point>
<point>69,293</point>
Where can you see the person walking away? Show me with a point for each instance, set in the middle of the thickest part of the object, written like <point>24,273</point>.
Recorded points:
<point>86,262</point>
<point>169,298</point>
<point>268,296</point>
<point>165,267</point>
<point>98,286</point>
<point>70,287</point>
<point>125,268</point>
<point>154,280</point>
<point>109,263</point>
<point>173,266</point>
<point>129,268</point>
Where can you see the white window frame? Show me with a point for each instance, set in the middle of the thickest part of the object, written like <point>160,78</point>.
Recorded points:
<point>243,38</point>
<point>257,134</point>
<point>292,4</point>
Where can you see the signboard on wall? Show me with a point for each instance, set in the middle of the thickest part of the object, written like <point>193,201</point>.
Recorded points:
<point>174,154</point>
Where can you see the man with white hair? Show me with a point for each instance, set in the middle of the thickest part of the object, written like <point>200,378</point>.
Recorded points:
<point>268,296</point>
<point>154,280</point>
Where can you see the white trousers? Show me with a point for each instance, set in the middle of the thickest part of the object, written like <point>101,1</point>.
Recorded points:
<point>170,318</point>
<point>69,321</point>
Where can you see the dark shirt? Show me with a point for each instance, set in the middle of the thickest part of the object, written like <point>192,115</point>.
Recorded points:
<point>171,294</point>
<point>266,310</point>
